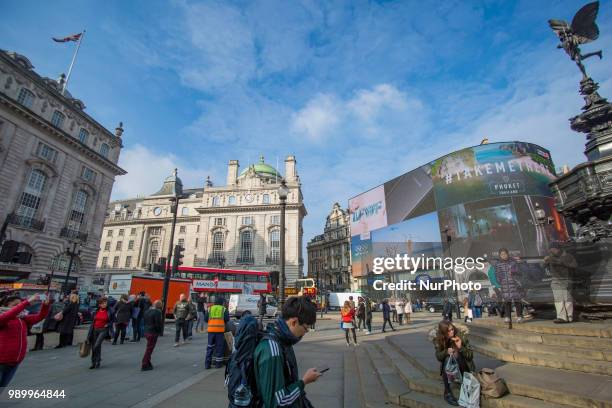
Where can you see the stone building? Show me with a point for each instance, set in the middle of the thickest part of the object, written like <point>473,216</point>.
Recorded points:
<point>236,225</point>
<point>57,169</point>
<point>329,261</point>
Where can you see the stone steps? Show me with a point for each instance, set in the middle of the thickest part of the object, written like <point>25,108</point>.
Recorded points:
<point>545,360</point>
<point>526,336</point>
<point>515,345</point>
<point>413,358</point>
<point>372,392</point>
<point>540,327</point>
<point>352,387</point>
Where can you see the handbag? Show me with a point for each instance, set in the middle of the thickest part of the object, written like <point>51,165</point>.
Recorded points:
<point>451,368</point>
<point>37,328</point>
<point>84,349</point>
<point>59,316</point>
<point>469,396</point>
<point>491,385</point>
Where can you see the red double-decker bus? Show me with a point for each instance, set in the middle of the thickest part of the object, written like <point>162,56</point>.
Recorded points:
<point>226,281</point>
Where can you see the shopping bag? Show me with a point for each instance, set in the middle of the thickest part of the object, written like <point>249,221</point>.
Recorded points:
<point>451,368</point>
<point>84,349</point>
<point>59,316</point>
<point>470,391</point>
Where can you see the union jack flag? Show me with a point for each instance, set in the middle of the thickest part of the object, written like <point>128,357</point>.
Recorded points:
<point>73,37</point>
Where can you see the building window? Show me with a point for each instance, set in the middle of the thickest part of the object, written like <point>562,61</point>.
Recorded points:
<point>196,243</point>
<point>154,252</point>
<point>83,135</point>
<point>88,174</point>
<point>217,245</point>
<point>105,262</point>
<point>116,262</point>
<point>219,222</point>
<point>247,220</point>
<point>181,242</point>
<point>107,246</point>
<point>58,119</point>
<point>109,233</point>
<point>232,200</point>
<point>275,245</point>
<point>185,211</point>
<point>128,262</point>
<point>131,245</point>
<point>198,228</point>
<point>104,148</point>
<point>215,201</point>
<point>26,98</point>
<point>121,231</point>
<point>266,199</point>
<point>77,215</point>
<point>118,245</point>
<point>32,194</point>
<point>133,231</point>
<point>275,220</point>
<point>46,152</point>
<point>182,229</point>
<point>246,245</point>
<point>155,230</point>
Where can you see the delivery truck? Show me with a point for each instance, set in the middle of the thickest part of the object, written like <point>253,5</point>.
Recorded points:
<point>153,286</point>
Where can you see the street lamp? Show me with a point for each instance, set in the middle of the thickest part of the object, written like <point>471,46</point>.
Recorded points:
<point>449,239</point>
<point>71,253</point>
<point>283,192</point>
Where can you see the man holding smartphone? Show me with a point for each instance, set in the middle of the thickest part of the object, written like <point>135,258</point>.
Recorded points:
<point>276,369</point>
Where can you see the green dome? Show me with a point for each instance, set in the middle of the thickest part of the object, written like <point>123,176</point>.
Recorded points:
<point>263,169</point>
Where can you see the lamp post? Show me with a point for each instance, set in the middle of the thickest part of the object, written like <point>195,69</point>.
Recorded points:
<point>71,253</point>
<point>449,239</point>
<point>283,192</point>
<point>174,202</point>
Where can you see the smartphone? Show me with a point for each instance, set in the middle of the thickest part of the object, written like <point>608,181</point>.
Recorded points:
<point>322,370</point>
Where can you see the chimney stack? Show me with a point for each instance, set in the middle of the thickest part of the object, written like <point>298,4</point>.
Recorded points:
<point>232,172</point>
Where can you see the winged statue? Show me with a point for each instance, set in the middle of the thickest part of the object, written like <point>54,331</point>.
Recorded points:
<point>582,30</point>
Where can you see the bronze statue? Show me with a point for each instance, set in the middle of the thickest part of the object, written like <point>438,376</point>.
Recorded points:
<point>583,30</point>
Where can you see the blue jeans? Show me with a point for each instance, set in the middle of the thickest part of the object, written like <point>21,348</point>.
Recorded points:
<point>6,374</point>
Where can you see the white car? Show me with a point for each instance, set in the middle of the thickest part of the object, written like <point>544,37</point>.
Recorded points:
<point>240,303</point>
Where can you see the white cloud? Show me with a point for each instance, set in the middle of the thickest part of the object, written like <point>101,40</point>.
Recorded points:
<point>146,171</point>
<point>368,103</point>
<point>318,118</point>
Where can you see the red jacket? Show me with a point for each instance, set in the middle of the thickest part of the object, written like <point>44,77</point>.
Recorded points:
<point>349,316</point>
<point>14,332</point>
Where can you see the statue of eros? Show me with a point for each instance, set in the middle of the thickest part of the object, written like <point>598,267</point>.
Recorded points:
<point>583,30</point>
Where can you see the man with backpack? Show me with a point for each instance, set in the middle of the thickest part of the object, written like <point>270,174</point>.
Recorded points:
<point>216,317</point>
<point>263,370</point>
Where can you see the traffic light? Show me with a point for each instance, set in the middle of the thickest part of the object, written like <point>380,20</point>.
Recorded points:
<point>178,258</point>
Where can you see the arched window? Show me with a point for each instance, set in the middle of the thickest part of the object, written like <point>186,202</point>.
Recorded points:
<point>154,252</point>
<point>26,98</point>
<point>77,214</point>
<point>266,199</point>
<point>246,246</point>
<point>60,264</point>
<point>232,200</point>
<point>217,245</point>
<point>83,135</point>
<point>32,194</point>
<point>215,201</point>
<point>185,211</point>
<point>275,245</point>
<point>58,119</point>
<point>104,148</point>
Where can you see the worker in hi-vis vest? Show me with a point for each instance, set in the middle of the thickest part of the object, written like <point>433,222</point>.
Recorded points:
<point>216,317</point>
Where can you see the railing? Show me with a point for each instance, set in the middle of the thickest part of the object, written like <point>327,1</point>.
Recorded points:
<point>73,234</point>
<point>26,222</point>
<point>272,260</point>
<point>247,260</point>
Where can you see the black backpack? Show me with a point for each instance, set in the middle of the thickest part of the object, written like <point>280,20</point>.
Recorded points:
<point>240,370</point>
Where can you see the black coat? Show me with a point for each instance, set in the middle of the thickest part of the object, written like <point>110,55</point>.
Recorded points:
<point>50,324</point>
<point>66,325</point>
<point>123,311</point>
<point>153,321</point>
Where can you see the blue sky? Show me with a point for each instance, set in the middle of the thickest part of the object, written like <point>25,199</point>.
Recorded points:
<point>358,91</point>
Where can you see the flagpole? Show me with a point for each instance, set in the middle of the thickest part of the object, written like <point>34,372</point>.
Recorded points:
<point>73,59</point>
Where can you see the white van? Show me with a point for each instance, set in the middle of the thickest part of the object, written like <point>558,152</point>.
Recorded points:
<point>337,299</point>
<point>239,303</point>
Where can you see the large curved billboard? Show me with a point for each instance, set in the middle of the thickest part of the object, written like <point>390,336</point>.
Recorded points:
<point>477,200</point>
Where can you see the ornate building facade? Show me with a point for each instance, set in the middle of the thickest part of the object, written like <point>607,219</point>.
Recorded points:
<point>329,262</point>
<point>236,225</point>
<point>57,169</point>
